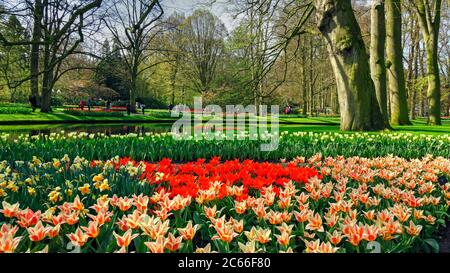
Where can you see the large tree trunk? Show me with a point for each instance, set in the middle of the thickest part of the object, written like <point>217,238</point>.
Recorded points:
<point>173,81</point>
<point>358,104</point>
<point>394,50</point>
<point>304,88</point>
<point>34,55</point>
<point>429,26</point>
<point>47,80</point>
<point>133,90</point>
<point>377,60</point>
<point>413,68</point>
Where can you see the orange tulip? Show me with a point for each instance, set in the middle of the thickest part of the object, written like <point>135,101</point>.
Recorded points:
<point>9,210</point>
<point>102,205</point>
<point>53,232</point>
<point>78,238</point>
<point>71,219</point>
<point>206,249</point>
<point>225,231</point>
<point>335,238</point>
<point>28,218</point>
<point>133,220</point>
<point>249,247</point>
<point>413,230</point>
<point>153,227</point>
<point>326,248</point>
<point>313,246</point>
<point>315,223</point>
<point>369,215</point>
<point>163,213</point>
<point>188,232</point>
<point>125,203</point>
<point>237,225</point>
<point>240,207</point>
<point>8,243</point>
<point>274,217</point>
<point>302,216</point>
<point>92,229</point>
<point>210,212</point>
<point>38,232</point>
<point>263,235</point>
<point>77,205</point>
<point>260,211</point>
<point>251,235</point>
<point>371,233</point>
<point>302,198</point>
<point>102,217</point>
<point>141,202</point>
<point>284,238</point>
<point>172,243</point>
<point>125,239</point>
<point>284,203</point>
<point>156,247</point>
<point>331,219</point>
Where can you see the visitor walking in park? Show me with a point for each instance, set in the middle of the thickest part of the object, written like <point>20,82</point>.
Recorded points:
<point>89,104</point>
<point>143,108</point>
<point>82,105</point>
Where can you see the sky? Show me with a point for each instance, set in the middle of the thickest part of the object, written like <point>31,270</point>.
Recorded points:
<point>220,8</point>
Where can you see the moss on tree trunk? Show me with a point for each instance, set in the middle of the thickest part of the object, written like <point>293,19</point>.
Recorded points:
<point>357,100</point>
<point>377,60</point>
<point>394,51</point>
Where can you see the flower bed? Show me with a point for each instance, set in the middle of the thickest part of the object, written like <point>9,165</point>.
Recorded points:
<point>155,147</point>
<point>315,205</point>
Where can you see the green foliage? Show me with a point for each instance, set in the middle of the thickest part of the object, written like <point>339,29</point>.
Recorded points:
<point>155,147</point>
<point>14,110</point>
<point>92,114</point>
<point>112,71</point>
<point>14,59</point>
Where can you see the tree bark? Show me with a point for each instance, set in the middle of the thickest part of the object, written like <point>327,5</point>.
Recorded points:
<point>47,80</point>
<point>430,30</point>
<point>394,50</point>
<point>377,60</point>
<point>356,91</point>
<point>34,55</point>
<point>304,88</point>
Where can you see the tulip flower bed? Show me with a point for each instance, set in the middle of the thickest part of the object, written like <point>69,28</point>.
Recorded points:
<point>320,204</point>
<point>154,147</point>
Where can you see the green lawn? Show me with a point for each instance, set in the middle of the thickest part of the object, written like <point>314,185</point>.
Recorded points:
<point>294,123</point>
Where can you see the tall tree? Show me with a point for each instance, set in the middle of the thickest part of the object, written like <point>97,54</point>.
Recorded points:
<point>357,99</point>
<point>429,13</point>
<point>34,54</point>
<point>204,35</point>
<point>377,59</point>
<point>14,59</point>
<point>394,51</point>
<point>132,24</point>
<point>63,31</point>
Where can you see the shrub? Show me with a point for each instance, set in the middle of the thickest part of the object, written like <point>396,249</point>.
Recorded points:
<point>14,110</point>
<point>92,114</point>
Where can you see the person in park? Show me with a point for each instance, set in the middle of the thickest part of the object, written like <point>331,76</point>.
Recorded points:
<point>143,108</point>
<point>89,103</point>
<point>128,109</point>
<point>82,105</point>
<point>33,102</point>
<point>108,105</point>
